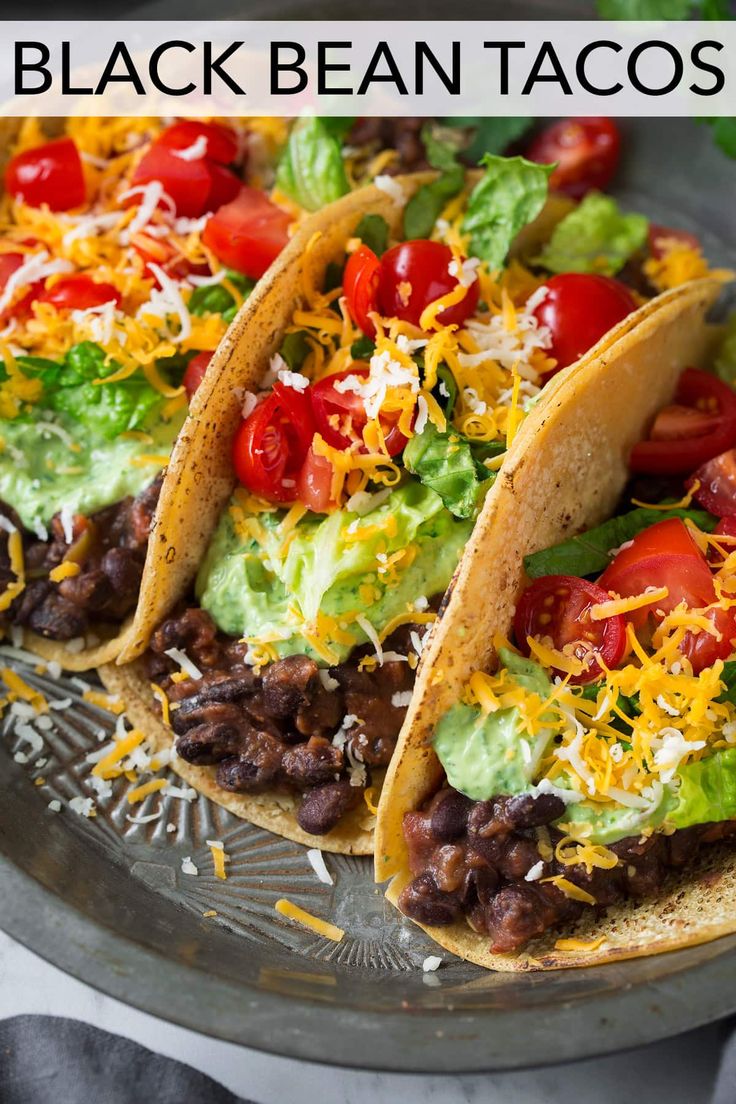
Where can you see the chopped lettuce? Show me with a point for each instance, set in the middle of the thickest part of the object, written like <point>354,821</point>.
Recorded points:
<point>373,232</point>
<point>510,194</point>
<point>295,349</point>
<point>448,465</point>
<point>707,790</point>
<point>728,678</point>
<point>590,553</point>
<point>216,299</point>
<point>596,237</point>
<point>311,169</point>
<point>490,135</point>
<point>424,207</point>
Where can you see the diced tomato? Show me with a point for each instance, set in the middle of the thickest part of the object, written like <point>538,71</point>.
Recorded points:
<point>10,263</point>
<point>586,151</point>
<point>224,188</point>
<point>79,292</point>
<point>271,445</point>
<point>726,527</point>
<point>248,233</point>
<point>703,649</point>
<point>556,609</point>
<point>663,555</point>
<point>186,183</point>
<point>710,430</point>
<point>415,274</point>
<point>660,236</point>
<point>314,485</point>
<point>160,252</point>
<point>340,416</point>
<point>50,174</point>
<point>195,373</point>
<point>579,309</point>
<point>717,484</point>
<point>360,286</point>
<point>221,141</point>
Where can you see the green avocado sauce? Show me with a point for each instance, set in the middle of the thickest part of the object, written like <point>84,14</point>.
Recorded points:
<point>48,461</point>
<point>482,758</point>
<point>251,589</point>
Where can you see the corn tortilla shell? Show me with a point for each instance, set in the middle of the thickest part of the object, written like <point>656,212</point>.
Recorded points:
<point>564,473</point>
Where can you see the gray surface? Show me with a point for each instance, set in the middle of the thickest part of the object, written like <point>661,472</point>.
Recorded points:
<point>107,901</point>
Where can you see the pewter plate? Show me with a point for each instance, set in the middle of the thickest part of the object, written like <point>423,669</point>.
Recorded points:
<point>107,899</point>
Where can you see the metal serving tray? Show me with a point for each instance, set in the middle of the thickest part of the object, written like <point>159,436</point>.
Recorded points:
<point>107,900</point>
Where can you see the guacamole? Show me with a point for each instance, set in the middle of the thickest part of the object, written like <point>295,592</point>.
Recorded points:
<point>334,570</point>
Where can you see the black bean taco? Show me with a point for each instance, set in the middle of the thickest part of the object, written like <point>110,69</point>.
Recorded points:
<point>563,790</point>
<point>329,477</point>
<point>126,249</point>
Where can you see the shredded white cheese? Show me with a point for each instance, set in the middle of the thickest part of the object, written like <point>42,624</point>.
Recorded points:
<point>317,862</point>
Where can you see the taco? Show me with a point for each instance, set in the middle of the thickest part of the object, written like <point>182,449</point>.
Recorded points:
<point>327,481</point>
<point>126,248</point>
<point>563,792</point>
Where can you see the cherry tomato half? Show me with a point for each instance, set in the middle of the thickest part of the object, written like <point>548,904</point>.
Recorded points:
<point>272,443</point>
<point>717,479</point>
<point>663,555</point>
<point>659,238</point>
<point>221,141</point>
<point>703,649</point>
<point>10,263</point>
<point>557,608</point>
<point>50,174</point>
<point>360,286</point>
<point>195,373</point>
<point>162,253</point>
<point>341,418</point>
<point>187,183</point>
<point>579,309</point>
<point>224,187</point>
<point>415,274</point>
<point>711,431</point>
<point>586,151</point>
<point>79,292</point>
<point>248,233</point>
<point>314,484</point>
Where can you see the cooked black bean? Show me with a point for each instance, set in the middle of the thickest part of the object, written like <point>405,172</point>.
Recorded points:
<point>323,807</point>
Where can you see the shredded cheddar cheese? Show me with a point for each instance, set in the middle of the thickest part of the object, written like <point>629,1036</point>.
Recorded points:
<point>314,923</point>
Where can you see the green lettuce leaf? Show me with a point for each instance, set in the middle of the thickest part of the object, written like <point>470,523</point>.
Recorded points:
<point>295,349</point>
<point>724,365</point>
<point>424,207</point>
<point>445,462</point>
<point>311,169</point>
<point>728,677</point>
<point>373,232</point>
<point>510,194</point>
<point>492,135</point>
<point>707,790</point>
<point>596,237</point>
<point>216,299</point>
<point>590,553</point>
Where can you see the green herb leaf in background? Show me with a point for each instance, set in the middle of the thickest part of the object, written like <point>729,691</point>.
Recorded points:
<point>511,194</point>
<point>373,232</point>
<point>596,237</point>
<point>590,553</point>
<point>491,135</point>
<point>425,206</point>
<point>311,169</point>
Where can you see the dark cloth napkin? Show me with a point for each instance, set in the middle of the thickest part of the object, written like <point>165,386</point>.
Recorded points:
<point>49,1060</point>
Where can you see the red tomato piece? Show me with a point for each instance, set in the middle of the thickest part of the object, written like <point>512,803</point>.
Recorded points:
<point>709,431</point>
<point>587,153</point>
<point>415,274</point>
<point>314,485</point>
<point>360,285</point>
<point>557,608</point>
<point>10,263</point>
<point>579,309</point>
<point>717,479</point>
<point>186,183</point>
<point>703,649</point>
<point>659,238</point>
<point>79,292</point>
<point>50,174</point>
<point>271,445</point>
<point>224,188</point>
<point>221,141</point>
<point>160,252</point>
<point>249,233</point>
<point>663,555</point>
<point>195,373</point>
<point>340,416</point>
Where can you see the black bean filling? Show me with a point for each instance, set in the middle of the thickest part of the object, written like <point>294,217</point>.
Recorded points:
<point>110,547</point>
<point>282,728</point>
<point>470,859</point>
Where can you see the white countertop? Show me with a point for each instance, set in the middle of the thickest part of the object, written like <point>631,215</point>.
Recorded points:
<point>679,1071</point>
